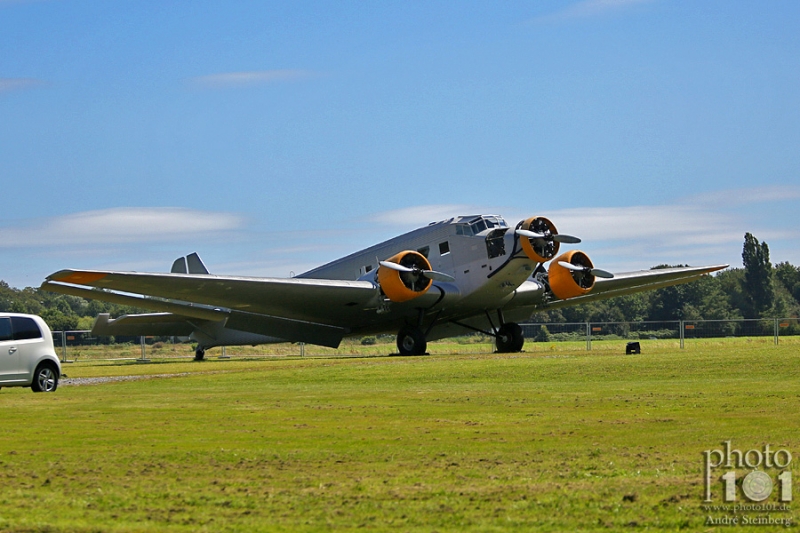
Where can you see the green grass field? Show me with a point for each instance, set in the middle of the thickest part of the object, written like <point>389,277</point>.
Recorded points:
<point>554,439</point>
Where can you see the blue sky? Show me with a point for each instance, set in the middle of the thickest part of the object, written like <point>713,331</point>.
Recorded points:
<point>272,137</point>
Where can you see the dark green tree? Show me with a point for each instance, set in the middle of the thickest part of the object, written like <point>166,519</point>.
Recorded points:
<point>757,277</point>
<point>789,276</point>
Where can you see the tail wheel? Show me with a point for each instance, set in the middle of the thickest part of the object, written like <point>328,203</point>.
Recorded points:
<point>45,379</point>
<point>510,338</point>
<point>411,341</point>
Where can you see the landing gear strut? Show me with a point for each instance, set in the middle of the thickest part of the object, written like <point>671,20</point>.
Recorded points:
<point>199,354</point>
<point>411,341</point>
<point>508,337</point>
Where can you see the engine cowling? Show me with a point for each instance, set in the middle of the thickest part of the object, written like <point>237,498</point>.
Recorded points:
<point>566,283</point>
<point>539,250</point>
<point>404,286</point>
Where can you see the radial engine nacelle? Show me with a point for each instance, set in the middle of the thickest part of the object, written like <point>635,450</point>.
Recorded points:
<point>572,274</point>
<point>540,239</point>
<point>402,277</point>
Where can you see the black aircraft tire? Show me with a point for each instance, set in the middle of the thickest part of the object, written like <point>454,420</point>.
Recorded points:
<point>199,354</point>
<point>510,338</point>
<point>411,341</point>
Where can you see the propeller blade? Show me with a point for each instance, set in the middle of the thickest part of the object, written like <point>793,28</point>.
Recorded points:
<point>570,266</point>
<point>566,239</point>
<point>558,237</point>
<point>438,276</point>
<point>597,272</point>
<point>530,234</point>
<point>395,266</point>
<point>601,273</point>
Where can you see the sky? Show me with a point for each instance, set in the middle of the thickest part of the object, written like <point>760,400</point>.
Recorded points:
<point>272,137</point>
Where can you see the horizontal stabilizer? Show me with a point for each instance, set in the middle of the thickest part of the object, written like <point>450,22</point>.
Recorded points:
<point>150,324</point>
<point>182,308</point>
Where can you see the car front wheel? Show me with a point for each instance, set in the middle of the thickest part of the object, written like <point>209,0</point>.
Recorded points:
<point>45,379</point>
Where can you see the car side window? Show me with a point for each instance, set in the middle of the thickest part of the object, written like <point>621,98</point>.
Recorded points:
<point>25,328</point>
<point>5,329</point>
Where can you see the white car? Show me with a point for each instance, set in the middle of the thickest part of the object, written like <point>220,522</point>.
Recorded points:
<point>27,355</point>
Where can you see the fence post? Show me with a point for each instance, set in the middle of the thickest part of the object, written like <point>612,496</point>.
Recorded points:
<point>143,359</point>
<point>776,331</point>
<point>680,325</point>
<point>63,346</point>
<point>588,337</point>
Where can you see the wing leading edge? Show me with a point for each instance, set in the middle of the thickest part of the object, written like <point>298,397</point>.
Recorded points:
<point>297,310</point>
<point>531,293</point>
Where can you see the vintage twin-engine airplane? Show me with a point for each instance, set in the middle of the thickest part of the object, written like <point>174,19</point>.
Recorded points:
<point>448,278</point>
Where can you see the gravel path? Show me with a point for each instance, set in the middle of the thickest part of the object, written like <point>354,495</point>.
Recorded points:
<point>65,382</point>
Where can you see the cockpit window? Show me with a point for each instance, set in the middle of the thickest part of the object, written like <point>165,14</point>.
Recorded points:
<point>479,226</point>
<point>495,222</point>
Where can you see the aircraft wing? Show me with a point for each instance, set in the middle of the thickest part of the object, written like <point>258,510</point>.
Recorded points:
<point>306,310</point>
<point>531,293</point>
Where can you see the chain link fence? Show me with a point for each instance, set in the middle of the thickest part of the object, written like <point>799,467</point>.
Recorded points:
<point>680,330</point>
<point>75,345</point>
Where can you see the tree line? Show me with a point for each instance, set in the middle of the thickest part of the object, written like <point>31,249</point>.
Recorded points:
<point>60,311</point>
<point>756,290</point>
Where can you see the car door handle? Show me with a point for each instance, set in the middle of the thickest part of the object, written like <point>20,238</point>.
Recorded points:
<point>11,350</point>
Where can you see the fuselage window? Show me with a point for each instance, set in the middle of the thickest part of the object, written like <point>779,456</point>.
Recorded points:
<point>367,268</point>
<point>463,229</point>
<point>425,250</point>
<point>444,248</point>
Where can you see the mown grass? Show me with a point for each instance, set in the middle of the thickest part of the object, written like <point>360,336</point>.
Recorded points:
<point>555,439</point>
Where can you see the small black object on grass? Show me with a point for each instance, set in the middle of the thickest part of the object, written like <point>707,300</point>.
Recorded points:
<point>632,347</point>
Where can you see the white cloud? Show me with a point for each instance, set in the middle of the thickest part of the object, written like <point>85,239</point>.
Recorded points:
<point>589,8</point>
<point>251,78</point>
<point>119,225</point>
<point>737,197</point>
<point>422,214</point>
<point>664,223</point>
<point>707,229</point>
<point>18,84</point>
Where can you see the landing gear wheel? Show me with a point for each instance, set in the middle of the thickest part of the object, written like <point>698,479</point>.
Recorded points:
<point>510,338</point>
<point>199,354</point>
<point>411,341</point>
<point>45,379</point>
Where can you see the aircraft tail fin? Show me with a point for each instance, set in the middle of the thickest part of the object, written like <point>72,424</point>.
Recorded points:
<point>191,264</point>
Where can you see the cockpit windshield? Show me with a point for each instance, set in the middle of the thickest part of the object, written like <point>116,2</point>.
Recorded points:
<point>479,224</point>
